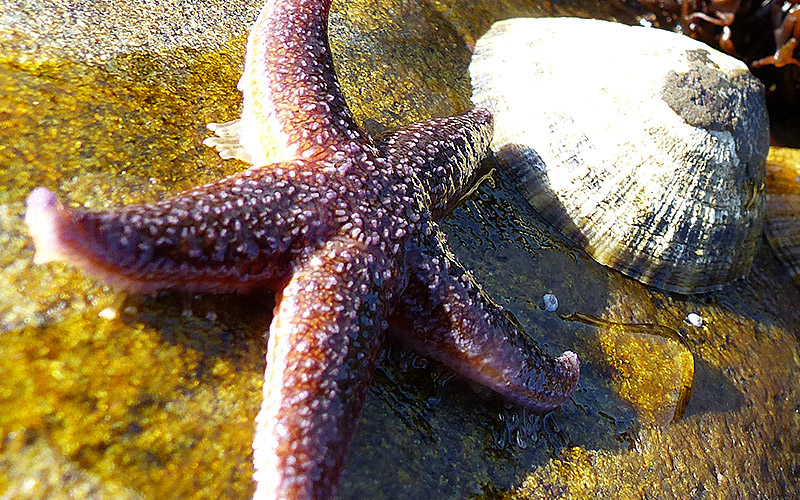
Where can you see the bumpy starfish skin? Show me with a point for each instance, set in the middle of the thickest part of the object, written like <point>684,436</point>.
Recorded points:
<point>342,228</point>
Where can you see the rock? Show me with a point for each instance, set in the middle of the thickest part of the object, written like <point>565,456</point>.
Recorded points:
<point>647,364</point>
<point>782,211</point>
<point>116,396</point>
<point>644,147</point>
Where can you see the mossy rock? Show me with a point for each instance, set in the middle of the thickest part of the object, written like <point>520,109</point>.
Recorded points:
<point>106,395</point>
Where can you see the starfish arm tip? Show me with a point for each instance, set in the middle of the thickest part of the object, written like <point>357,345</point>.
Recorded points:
<point>569,366</point>
<point>44,218</point>
<point>58,237</point>
<point>546,385</point>
<point>558,383</point>
<point>569,361</point>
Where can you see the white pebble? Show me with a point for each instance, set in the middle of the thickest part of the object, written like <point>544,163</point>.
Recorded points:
<point>550,302</point>
<point>108,313</point>
<point>694,319</point>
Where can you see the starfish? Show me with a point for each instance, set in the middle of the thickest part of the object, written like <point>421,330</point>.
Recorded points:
<point>342,227</point>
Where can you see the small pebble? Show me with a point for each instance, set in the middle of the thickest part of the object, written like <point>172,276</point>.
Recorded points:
<point>550,302</point>
<point>108,313</point>
<point>694,319</point>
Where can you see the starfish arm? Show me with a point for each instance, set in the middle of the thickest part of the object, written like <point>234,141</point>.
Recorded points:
<point>323,344</point>
<point>291,93</point>
<point>445,153</point>
<point>444,314</point>
<point>232,235</point>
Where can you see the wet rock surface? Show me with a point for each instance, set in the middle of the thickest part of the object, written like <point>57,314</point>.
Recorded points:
<point>783,204</point>
<point>645,148</point>
<point>106,395</point>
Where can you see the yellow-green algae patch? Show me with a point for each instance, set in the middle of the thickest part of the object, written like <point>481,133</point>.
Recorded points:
<point>783,203</point>
<point>784,156</point>
<point>79,127</point>
<point>647,365</point>
<point>136,401</point>
<point>99,140</point>
<point>398,62</point>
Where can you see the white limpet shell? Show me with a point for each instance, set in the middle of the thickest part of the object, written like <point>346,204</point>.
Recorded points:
<point>643,146</point>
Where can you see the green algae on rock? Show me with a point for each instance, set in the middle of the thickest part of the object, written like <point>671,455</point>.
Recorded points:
<point>83,128</point>
<point>149,388</point>
<point>176,376</point>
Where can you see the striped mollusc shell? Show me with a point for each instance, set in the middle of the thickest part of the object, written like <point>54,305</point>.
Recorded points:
<point>644,147</point>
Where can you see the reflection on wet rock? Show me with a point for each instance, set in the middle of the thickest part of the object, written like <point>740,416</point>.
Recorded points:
<point>782,211</point>
<point>647,365</point>
<point>644,147</point>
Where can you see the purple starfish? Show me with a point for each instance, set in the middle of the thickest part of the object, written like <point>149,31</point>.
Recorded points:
<point>342,227</point>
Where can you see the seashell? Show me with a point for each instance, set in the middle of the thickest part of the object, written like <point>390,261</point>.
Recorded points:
<point>642,146</point>
<point>782,211</point>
